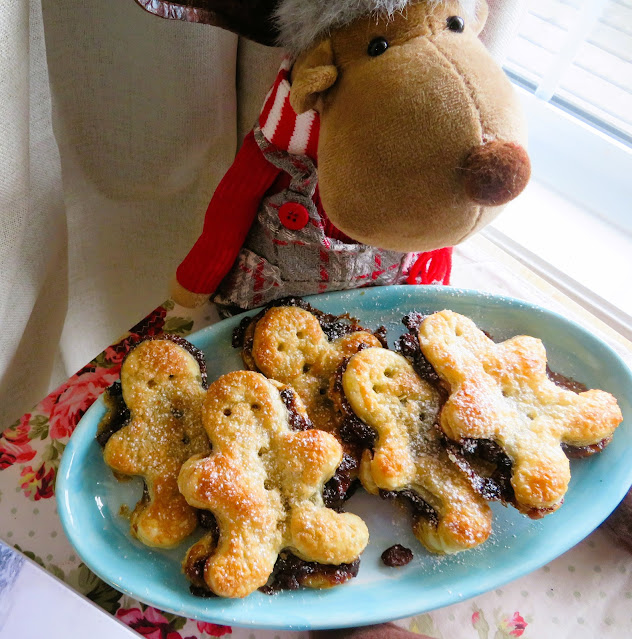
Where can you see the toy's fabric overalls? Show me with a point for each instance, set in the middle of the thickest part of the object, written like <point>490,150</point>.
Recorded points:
<point>266,235</point>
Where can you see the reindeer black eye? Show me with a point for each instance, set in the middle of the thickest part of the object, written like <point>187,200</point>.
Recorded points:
<point>377,46</point>
<point>456,24</point>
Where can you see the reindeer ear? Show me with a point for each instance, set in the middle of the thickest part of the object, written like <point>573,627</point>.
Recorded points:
<point>480,17</point>
<point>313,73</point>
<point>249,18</point>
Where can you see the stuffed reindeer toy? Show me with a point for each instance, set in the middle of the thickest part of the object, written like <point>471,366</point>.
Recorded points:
<point>389,136</point>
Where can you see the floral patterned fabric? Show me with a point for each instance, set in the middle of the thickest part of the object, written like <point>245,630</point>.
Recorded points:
<point>31,450</point>
<point>585,593</point>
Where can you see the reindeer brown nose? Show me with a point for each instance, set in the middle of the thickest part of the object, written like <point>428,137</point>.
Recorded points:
<point>495,173</point>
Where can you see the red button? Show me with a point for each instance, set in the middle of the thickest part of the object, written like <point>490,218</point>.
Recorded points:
<point>293,216</point>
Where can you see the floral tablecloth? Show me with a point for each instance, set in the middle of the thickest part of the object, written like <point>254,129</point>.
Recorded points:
<point>586,592</point>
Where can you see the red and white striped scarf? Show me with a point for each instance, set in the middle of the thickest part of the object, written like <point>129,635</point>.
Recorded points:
<point>280,124</point>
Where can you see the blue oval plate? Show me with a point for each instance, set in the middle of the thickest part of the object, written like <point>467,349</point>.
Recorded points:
<point>89,498</point>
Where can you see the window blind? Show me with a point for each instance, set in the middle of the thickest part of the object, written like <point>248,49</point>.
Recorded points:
<point>577,54</point>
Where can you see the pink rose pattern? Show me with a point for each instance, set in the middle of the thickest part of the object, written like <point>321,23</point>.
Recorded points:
<point>213,629</point>
<point>67,405</point>
<point>39,484</point>
<point>507,627</point>
<point>151,326</point>
<point>514,625</point>
<point>151,623</point>
<point>14,444</point>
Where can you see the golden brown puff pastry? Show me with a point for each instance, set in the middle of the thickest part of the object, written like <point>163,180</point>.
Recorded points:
<point>500,394</point>
<point>289,345</point>
<point>163,389</point>
<point>406,459</point>
<point>263,483</point>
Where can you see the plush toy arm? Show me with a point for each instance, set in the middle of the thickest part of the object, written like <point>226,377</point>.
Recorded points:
<point>228,218</point>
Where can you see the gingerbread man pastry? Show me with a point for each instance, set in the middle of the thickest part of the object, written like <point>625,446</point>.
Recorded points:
<point>406,460</point>
<point>263,483</point>
<point>163,388</point>
<point>501,397</point>
<point>290,346</point>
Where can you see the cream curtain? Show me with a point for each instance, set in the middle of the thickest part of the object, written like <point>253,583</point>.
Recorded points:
<point>115,127</point>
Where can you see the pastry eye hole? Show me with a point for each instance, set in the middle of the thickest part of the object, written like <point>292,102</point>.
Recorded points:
<point>456,24</point>
<point>377,47</point>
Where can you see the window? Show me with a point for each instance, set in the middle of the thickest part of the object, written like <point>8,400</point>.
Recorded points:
<point>572,65</point>
<point>577,54</point>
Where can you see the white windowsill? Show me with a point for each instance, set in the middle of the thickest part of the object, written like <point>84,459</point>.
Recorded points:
<point>582,254</point>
